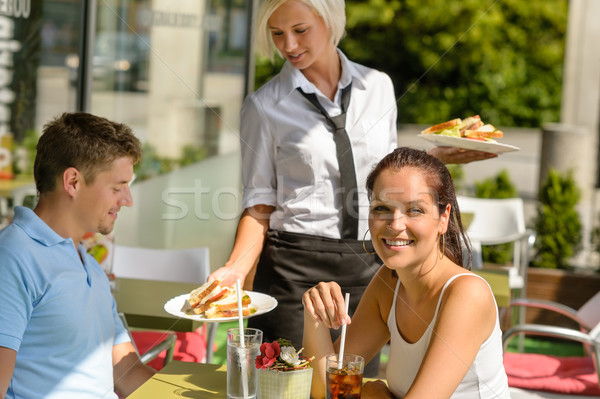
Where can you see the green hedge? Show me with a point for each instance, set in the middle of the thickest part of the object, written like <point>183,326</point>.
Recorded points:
<point>500,59</point>
<point>557,222</point>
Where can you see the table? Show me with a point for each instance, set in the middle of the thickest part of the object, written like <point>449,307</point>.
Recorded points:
<point>185,379</point>
<point>188,380</point>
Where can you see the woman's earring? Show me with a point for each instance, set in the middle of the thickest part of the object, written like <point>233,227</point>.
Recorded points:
<point>364,246</point>
<point>443,247</point>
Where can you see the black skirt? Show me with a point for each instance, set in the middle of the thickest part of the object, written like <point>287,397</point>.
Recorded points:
<point>291,263</point>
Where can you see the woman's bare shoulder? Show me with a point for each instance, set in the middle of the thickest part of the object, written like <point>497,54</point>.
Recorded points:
<point>470,288</point>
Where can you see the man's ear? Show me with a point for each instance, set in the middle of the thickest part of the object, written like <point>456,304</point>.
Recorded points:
<point>72,181</point>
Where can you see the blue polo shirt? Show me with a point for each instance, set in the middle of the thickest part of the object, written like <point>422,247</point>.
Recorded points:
<point>57,313</point>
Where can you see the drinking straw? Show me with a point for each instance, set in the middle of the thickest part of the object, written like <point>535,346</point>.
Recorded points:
<point>242,343</point>
<point>240,314</point>
<point>343,339</point>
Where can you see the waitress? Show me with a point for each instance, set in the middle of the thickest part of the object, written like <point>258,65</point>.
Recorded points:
<point>309,138</point>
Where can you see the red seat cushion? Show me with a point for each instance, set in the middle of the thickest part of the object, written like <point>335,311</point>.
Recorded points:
<point>565,375</point>
<point>189,346</point>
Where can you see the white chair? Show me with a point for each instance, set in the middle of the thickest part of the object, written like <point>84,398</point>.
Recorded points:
<point>174,265</point>
<point>499,221</point>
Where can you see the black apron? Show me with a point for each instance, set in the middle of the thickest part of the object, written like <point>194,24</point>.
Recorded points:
<point>291,263</point>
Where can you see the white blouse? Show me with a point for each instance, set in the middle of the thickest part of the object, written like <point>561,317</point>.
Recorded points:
<point>288,153</point>
<point>486,378</point>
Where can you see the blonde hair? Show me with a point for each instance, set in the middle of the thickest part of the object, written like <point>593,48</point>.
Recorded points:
<point>332,11</point>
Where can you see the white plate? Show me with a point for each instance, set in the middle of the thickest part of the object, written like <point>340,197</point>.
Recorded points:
<point>485,146</point>
<point>262,302</point>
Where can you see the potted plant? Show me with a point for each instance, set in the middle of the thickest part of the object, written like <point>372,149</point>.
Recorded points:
<point>282,372</point>
<point>557,223</point>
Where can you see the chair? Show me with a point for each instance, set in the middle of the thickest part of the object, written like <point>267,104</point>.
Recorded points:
<point>161,342</point>
<point>500,221</point>
<point>565,375</point>
<point>180,265</point>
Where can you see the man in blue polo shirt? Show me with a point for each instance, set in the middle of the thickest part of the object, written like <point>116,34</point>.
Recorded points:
<point>60,334</point>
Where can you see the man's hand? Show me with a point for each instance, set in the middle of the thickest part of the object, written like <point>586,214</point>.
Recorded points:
<point>450,155</point>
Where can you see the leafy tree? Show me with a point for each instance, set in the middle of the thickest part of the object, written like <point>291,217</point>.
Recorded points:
<point>265,70</point>
<point>502,59</point>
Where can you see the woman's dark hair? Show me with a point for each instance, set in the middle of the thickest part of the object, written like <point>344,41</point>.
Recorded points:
<point>438,178</point>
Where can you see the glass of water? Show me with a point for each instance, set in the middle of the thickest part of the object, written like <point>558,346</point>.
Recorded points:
<point>242,375</point>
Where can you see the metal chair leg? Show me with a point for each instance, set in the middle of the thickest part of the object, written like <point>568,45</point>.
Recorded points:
<point>211,333</point>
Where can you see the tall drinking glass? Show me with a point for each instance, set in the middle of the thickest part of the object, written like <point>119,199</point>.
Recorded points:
<point>242,375</point>
<point>344,378</point>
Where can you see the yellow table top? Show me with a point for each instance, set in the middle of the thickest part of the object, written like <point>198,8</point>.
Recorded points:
<point>188,380</point>
<point>184,379</point>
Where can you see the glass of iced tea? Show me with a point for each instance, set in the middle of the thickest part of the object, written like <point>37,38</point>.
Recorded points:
<point>344,376</point>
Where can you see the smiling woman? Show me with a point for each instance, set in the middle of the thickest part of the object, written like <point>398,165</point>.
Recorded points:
<point>402,221</point>
<point>418,186</point>
<point>417,299</point>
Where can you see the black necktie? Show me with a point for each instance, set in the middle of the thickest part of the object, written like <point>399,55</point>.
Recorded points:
<point>345,159</point>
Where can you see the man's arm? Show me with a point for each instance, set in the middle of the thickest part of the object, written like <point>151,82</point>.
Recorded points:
<point>129,372</point>
<point>8,358</point>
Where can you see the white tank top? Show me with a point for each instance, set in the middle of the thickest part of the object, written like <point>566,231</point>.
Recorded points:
<point>485,379</point>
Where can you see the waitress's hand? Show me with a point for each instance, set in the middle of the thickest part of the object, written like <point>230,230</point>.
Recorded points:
<point>450,155</point>
<point>325,303</point>
<point>228,275</point>
<point>376,390</point>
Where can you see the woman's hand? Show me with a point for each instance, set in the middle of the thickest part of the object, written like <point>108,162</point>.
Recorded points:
<point>450,155</point>
<point>228,275</point>
<point>376,390</point>
<point>325,303</point>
